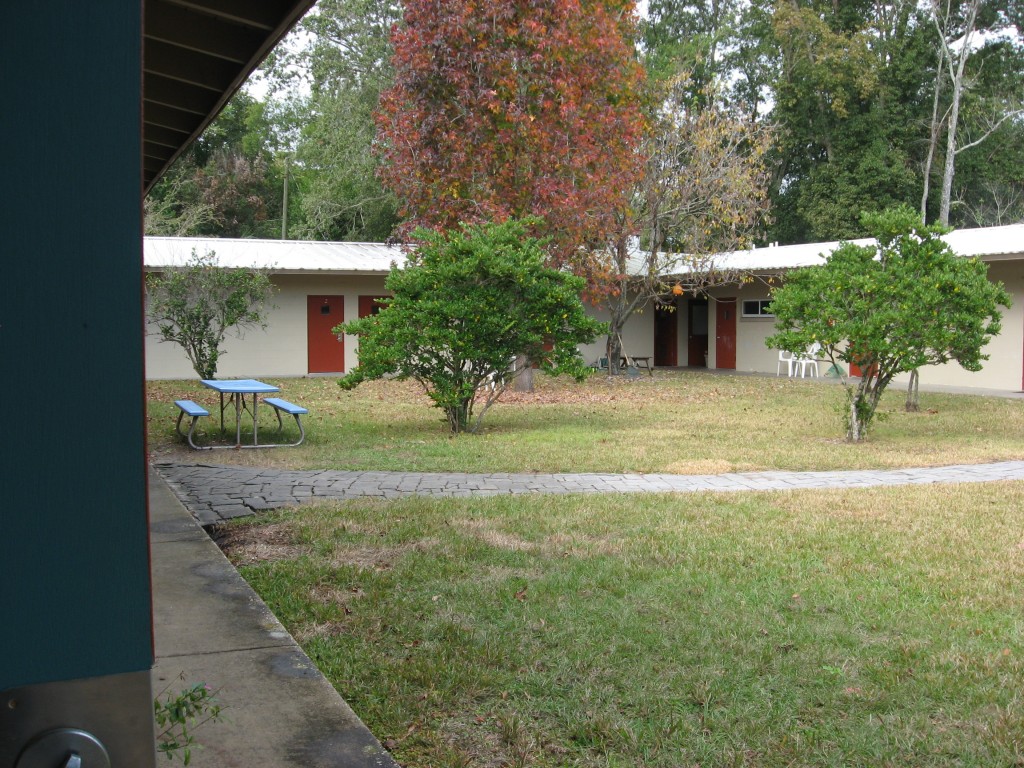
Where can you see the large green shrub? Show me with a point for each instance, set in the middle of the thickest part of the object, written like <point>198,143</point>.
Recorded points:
<point>903,303</point>
<point>466,305</point>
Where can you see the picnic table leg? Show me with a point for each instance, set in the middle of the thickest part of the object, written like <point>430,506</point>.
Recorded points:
<point>238,421</point>
<point>255,420</point>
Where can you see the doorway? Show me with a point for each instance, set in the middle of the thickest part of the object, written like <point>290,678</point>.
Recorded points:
<point>697,338</point>
<point>666,336</point>
<point>325,349</point>
<point>725,333</point>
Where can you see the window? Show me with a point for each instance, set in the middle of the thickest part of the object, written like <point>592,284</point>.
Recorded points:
<point>757,308</point>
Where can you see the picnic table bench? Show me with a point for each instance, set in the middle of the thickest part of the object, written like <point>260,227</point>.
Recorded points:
<point>638,363</point>
<point>291,408</point>
<point>196,411</point>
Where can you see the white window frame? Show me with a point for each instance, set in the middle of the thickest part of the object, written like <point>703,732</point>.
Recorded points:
<point>762,306</point>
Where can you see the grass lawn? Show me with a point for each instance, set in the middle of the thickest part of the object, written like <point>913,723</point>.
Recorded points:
<point>679,422</point>
<point>878,627</point>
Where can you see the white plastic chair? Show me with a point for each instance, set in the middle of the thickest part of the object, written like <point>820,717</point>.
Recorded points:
<point>788,359</point>
<point>808,359</point>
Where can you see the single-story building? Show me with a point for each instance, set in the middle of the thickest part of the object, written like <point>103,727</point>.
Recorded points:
<point>319,285</point>
<point>323,284</point>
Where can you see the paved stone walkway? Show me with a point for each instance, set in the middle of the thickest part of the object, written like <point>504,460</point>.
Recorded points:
<point>214,493</point>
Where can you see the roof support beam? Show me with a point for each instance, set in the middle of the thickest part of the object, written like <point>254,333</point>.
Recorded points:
<point>264,15</point>
<point>200,32</point>
<point>181,96</point>
<point>188,66</point>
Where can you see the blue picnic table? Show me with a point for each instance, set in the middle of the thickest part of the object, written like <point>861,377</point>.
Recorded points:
<point>239,389</point>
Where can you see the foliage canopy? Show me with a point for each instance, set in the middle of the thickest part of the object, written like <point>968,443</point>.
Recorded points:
<point>464,307</point>
<point>505,109</point>
<point>903,303</point>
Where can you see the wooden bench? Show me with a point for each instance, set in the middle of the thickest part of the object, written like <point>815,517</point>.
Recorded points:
<point>291,408</point>
<point>194,410</point>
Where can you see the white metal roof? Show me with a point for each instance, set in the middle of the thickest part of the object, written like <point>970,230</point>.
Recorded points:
<point>986,243</point>
<point>279,256</point>
<point>299,256</point>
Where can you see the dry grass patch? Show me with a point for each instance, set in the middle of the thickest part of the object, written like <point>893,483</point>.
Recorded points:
<point>487,532</point>
<point>376,557</point>
<point>322,629</point>
<point>331,594</point>
<point>369,558</point>
<point>247,545</point>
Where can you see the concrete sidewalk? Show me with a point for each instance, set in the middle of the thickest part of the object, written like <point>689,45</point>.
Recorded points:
<point>210,626</point>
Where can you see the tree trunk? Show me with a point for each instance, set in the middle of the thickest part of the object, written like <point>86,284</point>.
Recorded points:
<point>957,85</point>
<point>853,430</point>
<point>458,417</point>
<point>523,382</point>
<point>933,140</point>
<point>913,404</point>
<point>863,401</point>
<point>950,166</point>
<point>614,350</point>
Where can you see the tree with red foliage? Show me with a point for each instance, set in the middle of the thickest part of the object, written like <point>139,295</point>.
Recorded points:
<point>511,108</point>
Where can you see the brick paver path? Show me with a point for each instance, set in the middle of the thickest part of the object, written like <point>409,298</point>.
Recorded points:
<point>214,493</point>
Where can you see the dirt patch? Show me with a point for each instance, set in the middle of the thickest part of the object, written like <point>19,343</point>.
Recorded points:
<point>247,545</point>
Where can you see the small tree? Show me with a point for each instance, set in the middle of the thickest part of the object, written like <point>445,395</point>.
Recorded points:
<point>467,304</point>
<point>903,303</point>
<point>704,192</point>
<point>194,306</point>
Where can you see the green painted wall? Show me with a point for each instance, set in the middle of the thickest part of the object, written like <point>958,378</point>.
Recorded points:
<point>74,559</point>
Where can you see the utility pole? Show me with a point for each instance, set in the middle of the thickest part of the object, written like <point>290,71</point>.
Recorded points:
<point>284,204</point>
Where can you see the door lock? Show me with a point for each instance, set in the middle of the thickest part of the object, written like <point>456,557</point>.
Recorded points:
<point>64,748</point>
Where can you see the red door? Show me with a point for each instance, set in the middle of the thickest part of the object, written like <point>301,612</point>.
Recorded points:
<point>370,305</point>
<point>856,370</point>
<point>325,348</point>
<point>666,336</point>
<point>725,333</point>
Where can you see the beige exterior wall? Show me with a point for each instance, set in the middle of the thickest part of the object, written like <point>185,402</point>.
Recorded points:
<point>280,350</point>
<point>1003,369</point>
<point>637,336</point>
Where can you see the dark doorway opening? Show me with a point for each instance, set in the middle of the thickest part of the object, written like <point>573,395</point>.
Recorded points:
<point>697,338</point>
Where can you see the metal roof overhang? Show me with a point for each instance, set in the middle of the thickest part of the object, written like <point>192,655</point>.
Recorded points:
<point>196,54</point>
